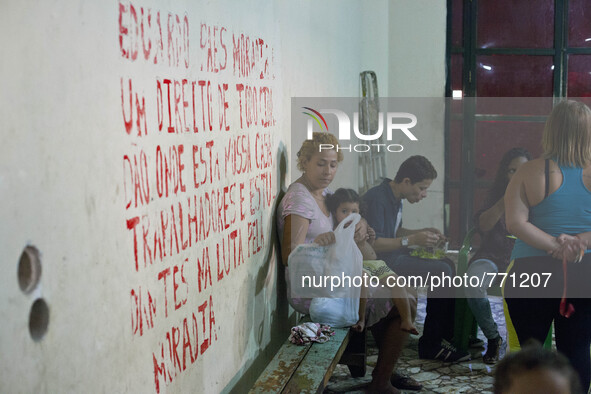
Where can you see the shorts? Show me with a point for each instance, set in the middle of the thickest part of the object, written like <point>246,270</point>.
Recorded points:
<point>377,268</point>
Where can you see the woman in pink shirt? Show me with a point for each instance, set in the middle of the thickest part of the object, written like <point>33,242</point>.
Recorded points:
<point>303,217</point>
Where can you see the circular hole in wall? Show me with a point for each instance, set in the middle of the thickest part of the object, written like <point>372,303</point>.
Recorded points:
<point>39,319</point>
<point>29,269</point>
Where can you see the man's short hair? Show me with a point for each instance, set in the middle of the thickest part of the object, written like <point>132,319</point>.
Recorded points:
<point>417,169</point>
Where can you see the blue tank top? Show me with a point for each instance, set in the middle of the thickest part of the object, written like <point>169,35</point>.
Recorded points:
<point>566,211</point>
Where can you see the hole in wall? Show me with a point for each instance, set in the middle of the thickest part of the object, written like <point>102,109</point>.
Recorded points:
<point>29,269</point>
<point>38,319</point>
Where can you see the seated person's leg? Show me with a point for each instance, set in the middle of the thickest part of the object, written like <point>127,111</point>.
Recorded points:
<point>388,287</point>
<point>480,306</point>
<point>476,296</point>
<point>403,303</point>
<point>390,340</point>
<point>439,320</point>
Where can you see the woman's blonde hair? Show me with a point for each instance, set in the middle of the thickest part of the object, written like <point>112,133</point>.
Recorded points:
<point>567,134</point>
<point>309,147</point>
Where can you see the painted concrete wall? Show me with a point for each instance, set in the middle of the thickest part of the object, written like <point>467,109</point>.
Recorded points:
<point>417,69</point>
<point>143,150</point>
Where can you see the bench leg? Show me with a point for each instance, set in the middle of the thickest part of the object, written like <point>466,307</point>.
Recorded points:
<point>355,355</point>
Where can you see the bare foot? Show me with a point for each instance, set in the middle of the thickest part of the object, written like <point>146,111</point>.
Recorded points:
<point>407,326</point>
<point>380,389</point>
<point>359,326</point>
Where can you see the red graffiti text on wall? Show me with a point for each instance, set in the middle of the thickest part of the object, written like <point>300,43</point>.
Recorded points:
<point>213,41</point>
<point>146,34</point>
<point>172,230</point>
<point>184,344</point>
<point>229,253</point>
<point>256,106</point>
<point>143,311</point>
<point>252,57</point>
<point>169,170</point>
<point>186,106</point>
<point>136,184</point>
<point>139,109</point>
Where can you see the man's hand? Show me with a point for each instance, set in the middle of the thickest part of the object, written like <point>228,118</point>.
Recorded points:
<point>325,239</point>
<point>425,238</point>
<point>371,235</point>
<point>434,230</point>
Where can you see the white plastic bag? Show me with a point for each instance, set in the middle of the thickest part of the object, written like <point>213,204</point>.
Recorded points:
<point>336,312</point>
<point>331,275</point>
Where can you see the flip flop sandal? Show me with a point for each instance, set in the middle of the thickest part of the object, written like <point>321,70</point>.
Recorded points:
<point>402,382</point>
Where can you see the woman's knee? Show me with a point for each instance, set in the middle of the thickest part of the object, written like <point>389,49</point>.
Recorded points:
<point>482,270</point>
<point>481,266</point>
<point>475,291</point>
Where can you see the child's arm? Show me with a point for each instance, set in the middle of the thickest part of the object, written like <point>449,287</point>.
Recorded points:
<point>366,250</point>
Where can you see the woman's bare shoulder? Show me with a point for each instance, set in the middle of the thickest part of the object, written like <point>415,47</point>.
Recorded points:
<point>532,168</point>
<point>535,163</point>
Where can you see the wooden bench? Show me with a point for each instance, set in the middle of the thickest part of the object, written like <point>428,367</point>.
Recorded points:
<point>307,369</point>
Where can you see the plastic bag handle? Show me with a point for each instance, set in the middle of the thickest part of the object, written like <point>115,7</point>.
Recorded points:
<point>341,231</point>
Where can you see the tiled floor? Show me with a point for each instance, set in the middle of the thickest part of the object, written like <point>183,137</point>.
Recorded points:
<point>437,377</point>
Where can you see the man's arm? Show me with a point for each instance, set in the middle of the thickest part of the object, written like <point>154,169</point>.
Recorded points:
<point>406,232</point>
<point>428,236</point>
<point>415,238</point>
<point>387,244</point>
<point>376,218</point>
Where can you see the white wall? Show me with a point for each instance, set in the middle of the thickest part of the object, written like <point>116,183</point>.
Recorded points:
<point>67,188</point>
<point>339,42</point>
<point>417,69</point>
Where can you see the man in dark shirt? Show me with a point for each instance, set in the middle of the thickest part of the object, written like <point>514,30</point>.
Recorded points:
<point>384,214</point>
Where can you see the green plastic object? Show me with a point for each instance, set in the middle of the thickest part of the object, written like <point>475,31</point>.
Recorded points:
<point>464,322</point>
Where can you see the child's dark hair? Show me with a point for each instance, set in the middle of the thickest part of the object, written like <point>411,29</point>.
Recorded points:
<point>340,196</point>
<point>530,358</point>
